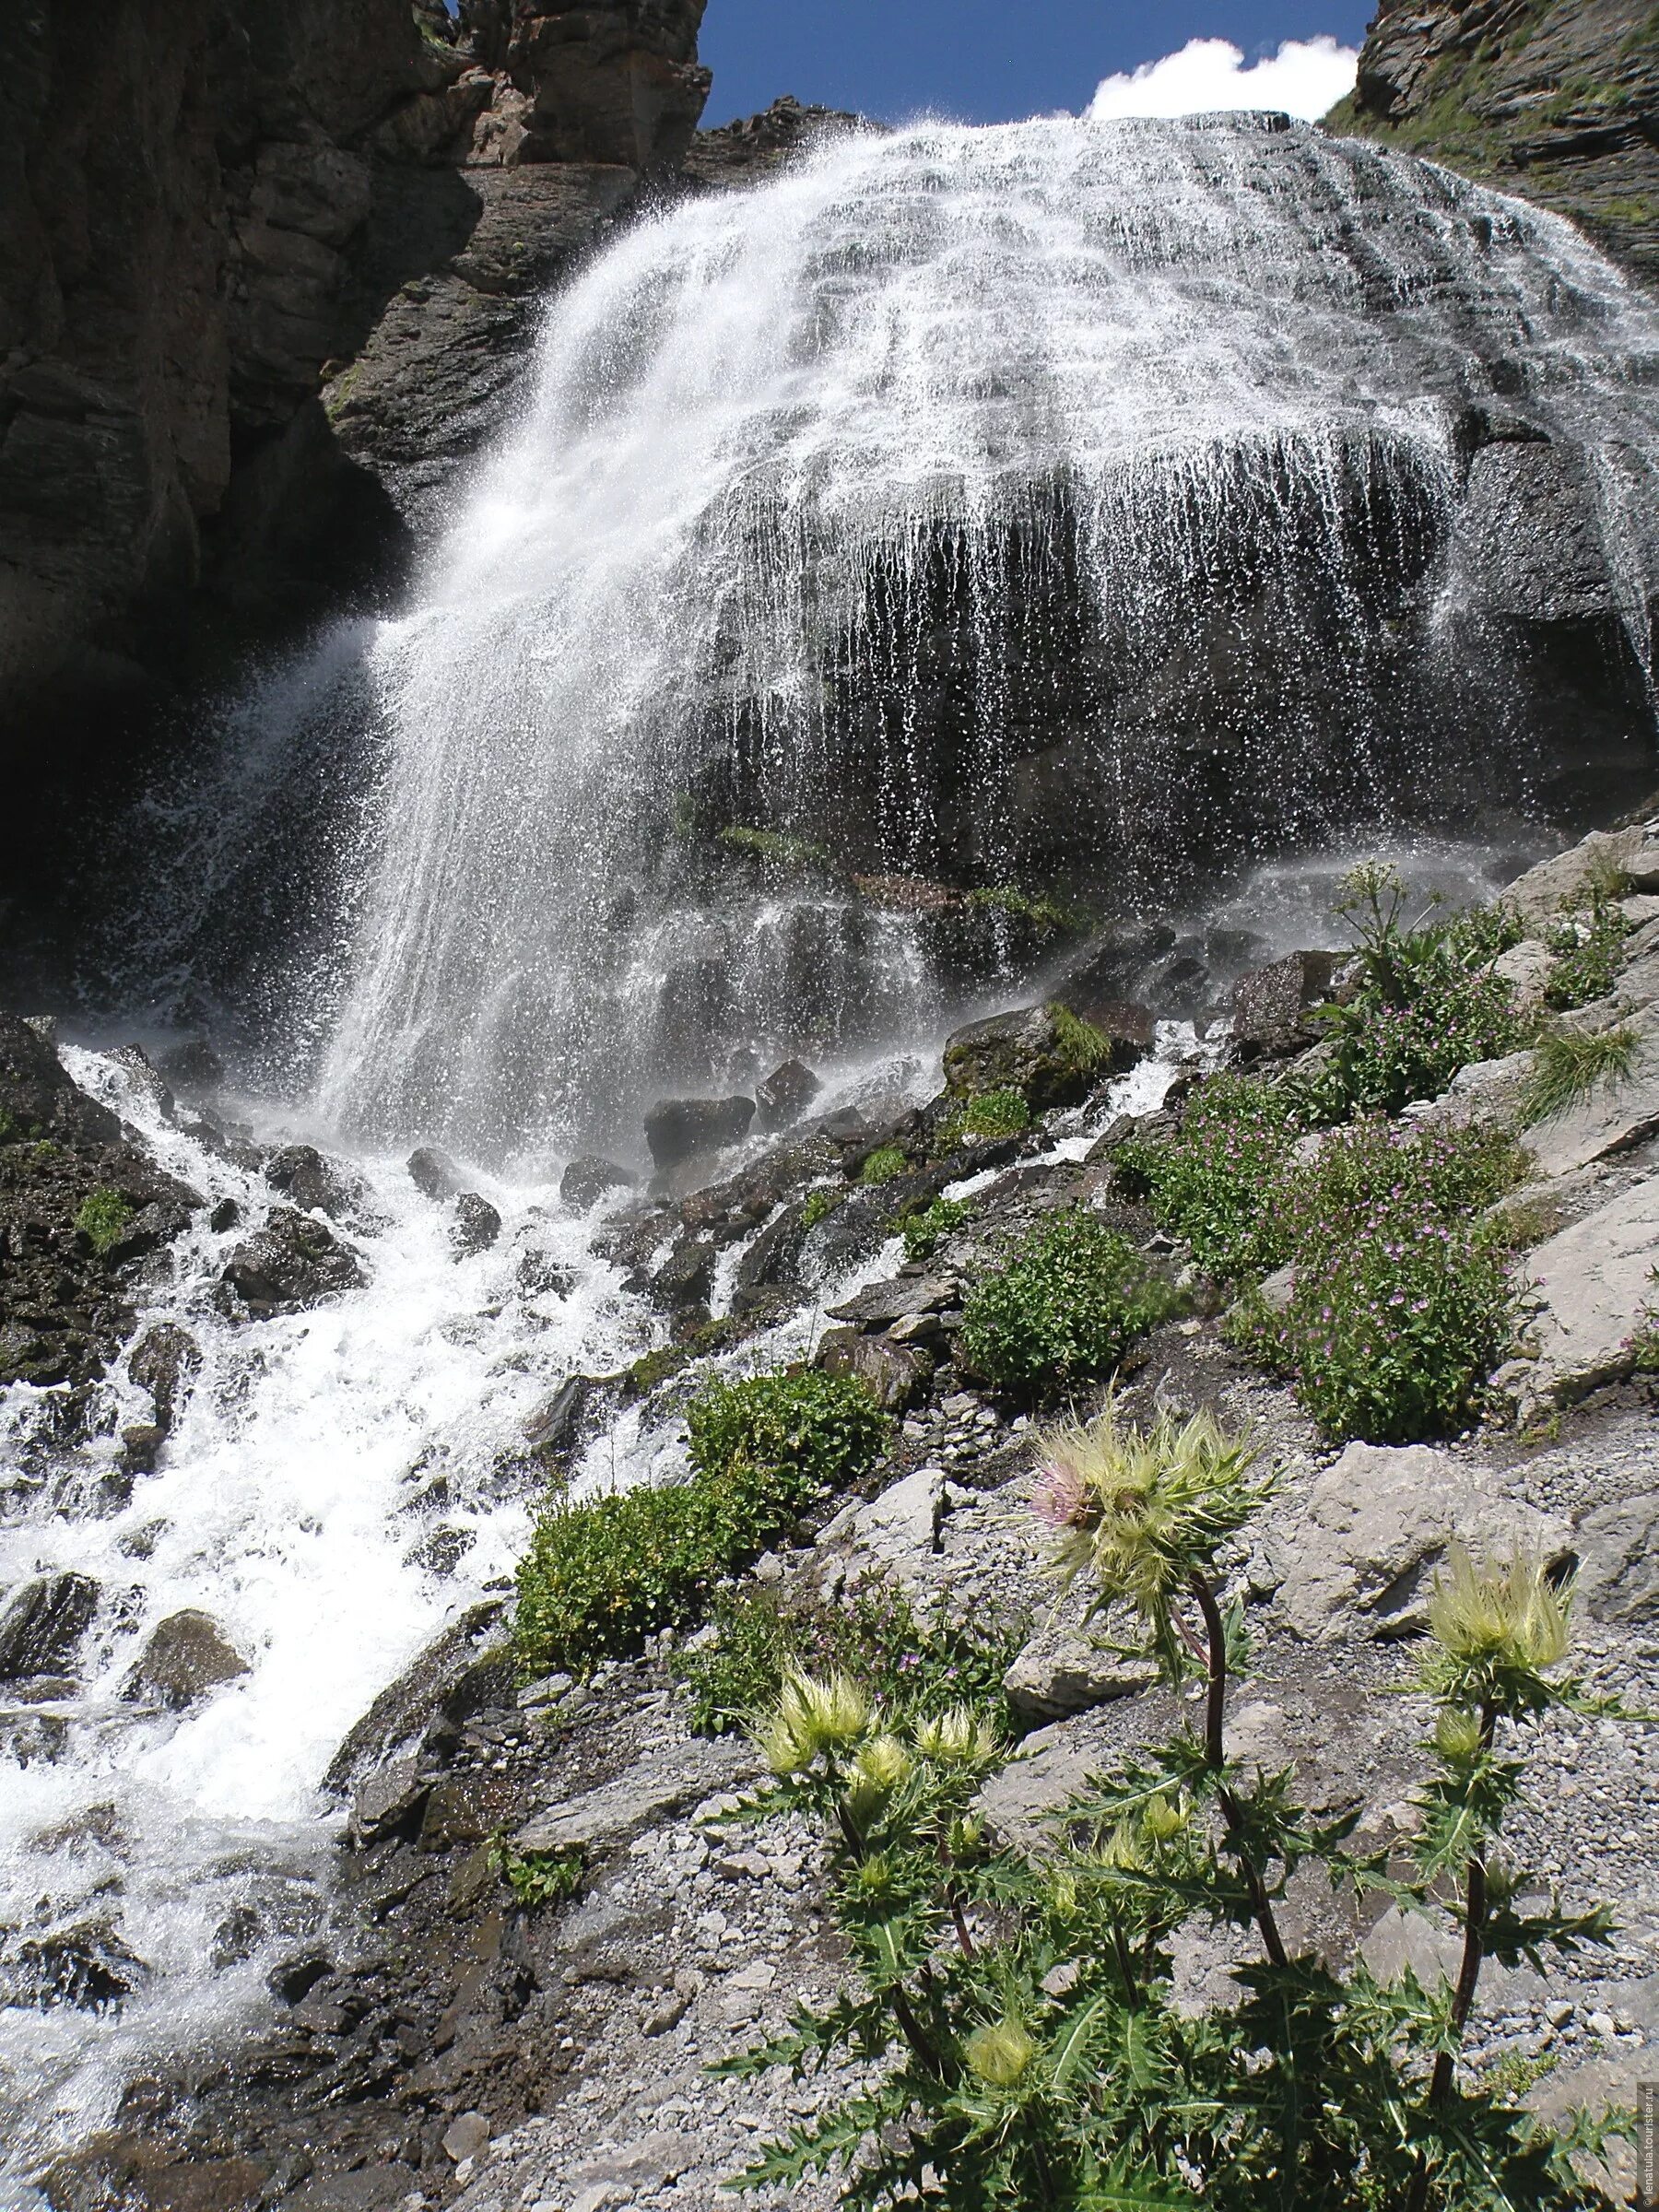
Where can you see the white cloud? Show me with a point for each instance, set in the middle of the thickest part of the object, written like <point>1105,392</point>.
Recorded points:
<point>1304,77</point>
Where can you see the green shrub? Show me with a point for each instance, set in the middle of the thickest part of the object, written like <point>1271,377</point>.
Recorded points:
<point>103,1219</point>
<point>536,1878</point>
<point>1424,1007</point>
<point>1217,1183</point>
<point>11,1129</point>
<point>819,1205</point>
<point>1021,2036</point>
<point>872,1635</point>
<point>1401,1302</point>
<point>1070,1299</point>
<point>1570,1066</point>
<point>925,1227</point>
<point>995,1113</point>
<point>1082,1046</point>
<point>1588,947</point>
<point>602,1575</point>
<point>883,1165</point>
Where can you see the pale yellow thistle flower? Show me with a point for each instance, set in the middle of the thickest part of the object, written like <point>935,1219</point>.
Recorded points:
<point>1001,2054</point>
<point>1506,1613</point>
<point>811,1717</point>
<point>1149,1505</point>
<point>1457,1733</point>
<point>881,1766</point>
<point>1165,1819</point>
<point>874,1876</point>
<point>957,1739</point>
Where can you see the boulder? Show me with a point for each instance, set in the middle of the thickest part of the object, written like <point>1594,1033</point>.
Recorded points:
<point>894,1374</point>
<point>785,1094</point>
<point>687,1276</point>
<point>663,1783</point>
<point>43,1622</point>
<point>434,1174</point>
<point>556,1428</point>
<point>771,1265</point>
<point>38,1096</point>
<point>187,1655</point>
<point>1632,852</point>
<point>165,1362</point>
<point>292,1263</point>
<point>434,1686</point>
<point>475,1227</point>
<point>1589,1284</point>
<point>1270,1005</point>
<point>1031,1051</point>
<point>897,1533</point>
<point>391,1798</point>
<point>1617,1117</point>
<point>1059,1673</point>
<point>1355,1551</point>
<point>1618,1552</point>
<point>318,1185</point>
<point>588,1179</point>
<point>86,1966</point>
<point>680,1129</point>
<point>895,1301</point>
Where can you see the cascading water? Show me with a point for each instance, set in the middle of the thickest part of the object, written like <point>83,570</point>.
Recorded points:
<point>988,507</point>
<point>970,502</point>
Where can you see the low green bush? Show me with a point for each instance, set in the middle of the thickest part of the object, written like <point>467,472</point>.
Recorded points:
<point>872,1635</point>
<point>1401,1302</point>
<point>995,1113</point>
<point>1424,1008</point>
<point>536,1878</point>
<point>819,1205</point>
<point>602,1575</point>
<point>1587,946</point>
<point>925,1227</point>
<point>883,1165</point>
<point>1216,1184</point>
<point>103,1219</point>
<point>1069,1299</point>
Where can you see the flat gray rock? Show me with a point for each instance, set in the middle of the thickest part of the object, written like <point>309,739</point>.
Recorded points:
<point>1589,1286</point>
<point>895,1301</point>
<point>658,1786</point>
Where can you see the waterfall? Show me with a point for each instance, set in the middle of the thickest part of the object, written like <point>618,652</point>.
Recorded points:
<point>1020,505</point>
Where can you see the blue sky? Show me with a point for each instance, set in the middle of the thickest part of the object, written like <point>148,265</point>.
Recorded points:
<point>981,61</point>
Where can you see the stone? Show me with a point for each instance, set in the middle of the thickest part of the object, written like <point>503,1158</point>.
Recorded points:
<point>1525,969</point>
<point>434,1684</point>
<point>680,1129</point>
<point>612,83</point>
<point>1354,1552</point>
<point>43,1624</point>
<point>466,2136</point>
<point>187,1654</point>
<point>317,1185</point>
<point>292,1263</point>
<point>1028,1050</point>
<point>894,1375</point>
<point>1270,1005</point>
<point>434,1174</point>
<point>1057,1674</point>
<point>1618,1552</point>
<point>88,1966</point>
<point>893,1300</point>
<point>687,1276</point>
<point>785,1094</point>
<point>165,1362</point>
<point>1054,1763</point>
<point>590,1178</point>
<point>1617,1118</point>
<point>557,1426</point>
<point>389,1798</point>
<point>38,1096</point>
<point>1632,852</point>
<point>897,1532</point>
<point>662,1783</point>
<point>475,1227</point>
<point>1589,1283</point>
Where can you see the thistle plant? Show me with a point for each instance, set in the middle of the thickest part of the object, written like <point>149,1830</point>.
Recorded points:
<point>1012,2020</point>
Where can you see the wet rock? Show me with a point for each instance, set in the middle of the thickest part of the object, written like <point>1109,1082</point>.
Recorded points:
<point>408,1707</point>
<point>141,1446</point>
<point>194,1067</point>
<point>587,1180</point>
<point>144,1075</point>
<point>225,1216</point>
<point>538,1275</point>
<point>318,1185</point>
<point>1270,1005</point>
<point>1031,1051</point>
<point>466,2136</point>
<point>38,1096</point>
<point>86,1966</point>
<point>149,1227</point>
<point>785,1094</point>
<point>894,1374</point>
<point>43,1622</point>
<point>187,1655</point>
<point>389,1799</point>
<point>434,1174</point>
<point>680,1129</point>
<point>907,1294</point>
<point>443,1550</point>
<point>560,1424</point>
<point>685,1277</point>
<point>165,1362</point>
<point>475,1227</point>
<point>771,1265</point>
<point>292,1263</point>
<point>467,1808</point>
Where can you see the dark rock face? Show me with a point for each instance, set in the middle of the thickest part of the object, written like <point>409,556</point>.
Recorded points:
<point>785,1094</point>
<point>681,1129</point>
<point>617,82</point>
<point>1554,101</point>
<point>587,1180</point>
<point>475,1227</point>
<point>434,1174</point>
<point>316,1184</point>
<point>292,1263</point>
<point>42,1625</point>
<point>165,1362</point>
<point>1029,1050</point>
<point>187,1655</point>
<point>1271,1005</point>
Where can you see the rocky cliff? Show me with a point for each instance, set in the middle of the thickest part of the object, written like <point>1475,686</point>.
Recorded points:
<point>1557,100</point>
<point>204,210</point>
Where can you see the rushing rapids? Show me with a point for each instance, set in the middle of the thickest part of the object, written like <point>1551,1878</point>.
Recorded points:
<point>1046,504</point>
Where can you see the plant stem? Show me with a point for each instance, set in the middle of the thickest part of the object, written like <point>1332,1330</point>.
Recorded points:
<point>1232,1812</point>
